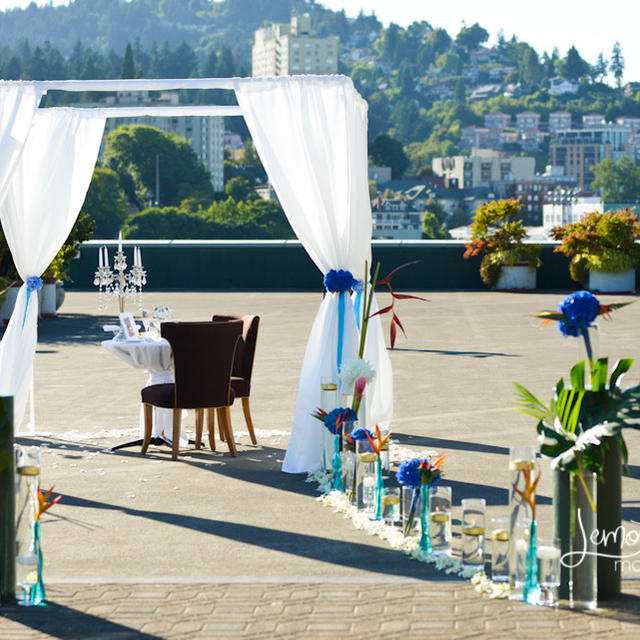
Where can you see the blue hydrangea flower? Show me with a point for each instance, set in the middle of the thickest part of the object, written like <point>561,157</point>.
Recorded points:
<point>34,283</point>
<point>332,417</point>
<point>339,281</point>
<point>581,309</point>
<point>410,474</point>
<point>360,434</point>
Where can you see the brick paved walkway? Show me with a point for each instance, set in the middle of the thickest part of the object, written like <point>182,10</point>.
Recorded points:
<point>448,610</point>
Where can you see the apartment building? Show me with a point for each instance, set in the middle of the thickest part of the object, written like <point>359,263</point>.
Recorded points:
<point>579,150</point>
<point>288,49</point>
<point>559,120</point>
<point>497,120</point>
<point>483,168</point>
<point>527,121</point>
<point>540,190</point>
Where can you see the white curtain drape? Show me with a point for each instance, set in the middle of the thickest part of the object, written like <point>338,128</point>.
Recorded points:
<point>40,206</point>
<point>18,104</point>
<point>311,135</point>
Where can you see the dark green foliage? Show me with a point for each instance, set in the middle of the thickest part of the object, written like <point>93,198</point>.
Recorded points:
<point>432,229</point>
<point>618,181</point>
<point>106,203</point>
<point>132,150</point>
<point>385,151</point>
<point>128,65</point>
<point>227,219</point>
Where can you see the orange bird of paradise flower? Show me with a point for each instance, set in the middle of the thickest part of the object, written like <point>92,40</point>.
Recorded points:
<point>45,502</point>
<point>529,493</point>
<point>381,441</point>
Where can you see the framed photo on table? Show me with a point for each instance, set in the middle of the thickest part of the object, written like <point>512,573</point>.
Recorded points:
<point>128,326</point>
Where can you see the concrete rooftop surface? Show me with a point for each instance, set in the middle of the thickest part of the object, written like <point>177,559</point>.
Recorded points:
<point>214,547</point>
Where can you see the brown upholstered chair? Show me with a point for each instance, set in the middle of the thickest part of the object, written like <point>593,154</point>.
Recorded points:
<point>202,381</point>
<point>243,363</point>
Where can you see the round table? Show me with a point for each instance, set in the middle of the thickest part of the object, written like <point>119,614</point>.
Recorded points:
<point>155,357</point>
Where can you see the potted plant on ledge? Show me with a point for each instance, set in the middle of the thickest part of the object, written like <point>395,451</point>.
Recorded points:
<point>498,235</point>
<point>603,250</point>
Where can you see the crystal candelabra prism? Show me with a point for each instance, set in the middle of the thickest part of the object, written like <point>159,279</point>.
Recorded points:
<point>116,282</point>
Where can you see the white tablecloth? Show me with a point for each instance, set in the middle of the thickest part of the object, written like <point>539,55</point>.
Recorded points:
<point>154,356</point>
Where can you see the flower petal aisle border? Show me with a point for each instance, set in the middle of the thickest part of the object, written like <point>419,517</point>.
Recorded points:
<point>410,545</point>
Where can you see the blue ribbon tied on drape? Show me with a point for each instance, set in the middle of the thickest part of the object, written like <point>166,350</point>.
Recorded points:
<point>340,281</point>
<point>34,283</point>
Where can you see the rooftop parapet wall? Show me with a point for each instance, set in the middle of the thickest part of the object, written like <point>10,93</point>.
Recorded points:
<point>282,265</point>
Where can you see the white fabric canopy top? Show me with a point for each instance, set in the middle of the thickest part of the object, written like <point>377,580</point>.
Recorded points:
<point>311,135</point>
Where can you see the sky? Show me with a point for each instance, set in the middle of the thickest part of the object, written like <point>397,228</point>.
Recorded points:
<point>544,24</point>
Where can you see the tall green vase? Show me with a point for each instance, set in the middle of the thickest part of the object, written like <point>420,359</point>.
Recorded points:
<point>609,520</point>
<point>562,525</point>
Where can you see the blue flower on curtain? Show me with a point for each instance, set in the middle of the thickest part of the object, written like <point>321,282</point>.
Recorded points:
<point>34,283</point>
<point>339,281</point>
<point>581,309</point>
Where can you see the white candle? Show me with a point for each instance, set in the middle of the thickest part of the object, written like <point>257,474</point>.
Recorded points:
<point>136,256</point>
<point>120,241</point>
<point>100,257</point>
<point>139,257</point>
<point>106,257</point>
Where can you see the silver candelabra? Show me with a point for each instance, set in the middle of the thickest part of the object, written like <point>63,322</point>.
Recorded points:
<point>116,283</point>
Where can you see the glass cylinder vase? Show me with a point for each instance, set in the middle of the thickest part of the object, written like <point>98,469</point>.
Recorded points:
<point>328,402</point>
<point>522,461</point>
<point>29,586</point>
<point>365,474</point>
<point>583,561</point>
<point>473,514</point>
<point>440,519</point>
<point>348,470</point>
<point>410,509</point>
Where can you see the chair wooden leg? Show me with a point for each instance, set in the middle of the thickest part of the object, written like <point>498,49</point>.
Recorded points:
<point>148,426</point>
<point>224,419</point>
<point>247,417</point>
<point>221,429</point>
<point>177,420</point>
<point>211,428</point>
<point>199,425</point>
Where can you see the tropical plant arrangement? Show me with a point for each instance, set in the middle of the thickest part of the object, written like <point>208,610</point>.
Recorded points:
<point>600,242</point>
<point>498,235</point>
<point>573,427</point>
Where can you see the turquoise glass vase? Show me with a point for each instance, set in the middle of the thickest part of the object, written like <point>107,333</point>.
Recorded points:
<point>379,490</point>
<point>336,482</point>
<point>531,593</point>
<point>425,536</point>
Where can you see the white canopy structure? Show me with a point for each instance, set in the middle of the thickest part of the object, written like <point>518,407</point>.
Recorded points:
<point>311,135</point>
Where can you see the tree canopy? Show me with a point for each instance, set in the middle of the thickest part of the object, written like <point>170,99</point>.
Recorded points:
<point>132,149</point>
<point>619,182</point>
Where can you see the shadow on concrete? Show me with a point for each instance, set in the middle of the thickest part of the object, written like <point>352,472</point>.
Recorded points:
<point>354,555</point>
<point>61,622</point>
<point>472,354</point>
<point>444,443</point>
<point>74,327</point>
<point>259,465</point>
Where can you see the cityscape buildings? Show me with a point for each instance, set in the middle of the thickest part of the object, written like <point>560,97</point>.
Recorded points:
<point>287,49</point>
